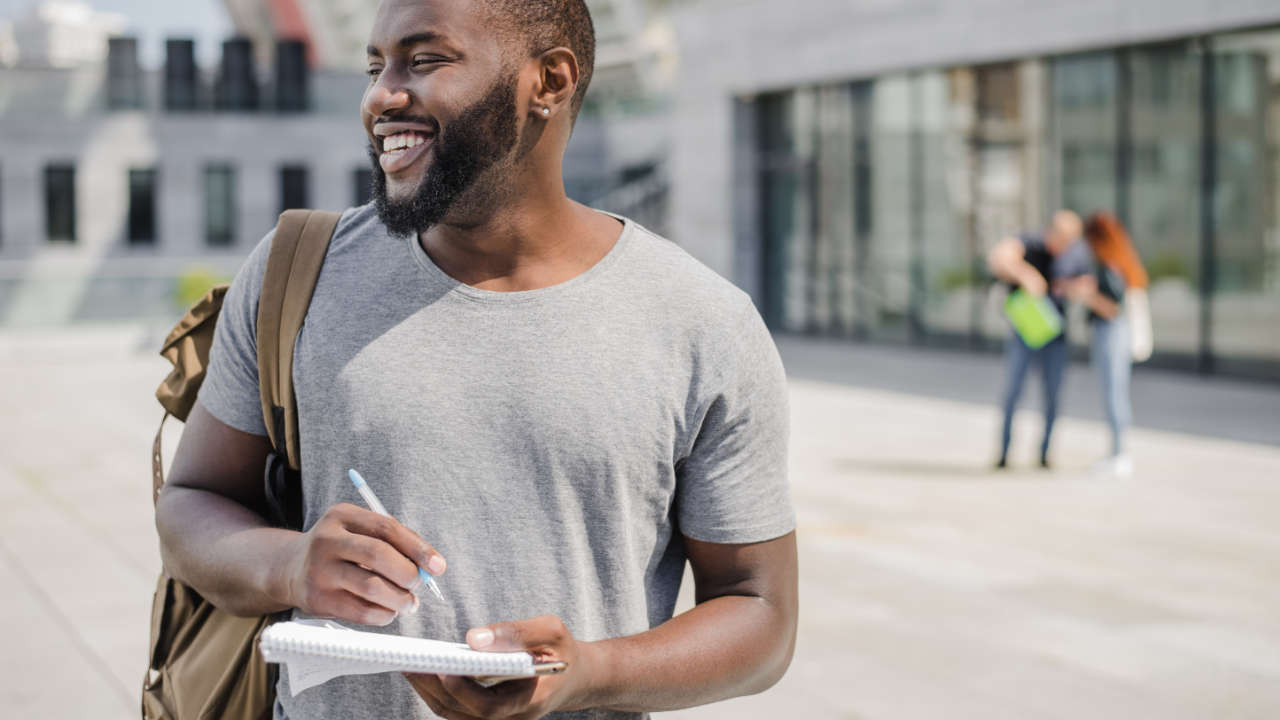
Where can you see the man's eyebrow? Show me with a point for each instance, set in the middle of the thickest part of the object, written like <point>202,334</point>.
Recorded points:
<point>408,41</point>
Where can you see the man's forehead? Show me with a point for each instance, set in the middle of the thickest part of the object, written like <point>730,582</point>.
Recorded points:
<point>452,20</point>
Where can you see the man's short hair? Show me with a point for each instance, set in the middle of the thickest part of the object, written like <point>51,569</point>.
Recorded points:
<point>546,24</point>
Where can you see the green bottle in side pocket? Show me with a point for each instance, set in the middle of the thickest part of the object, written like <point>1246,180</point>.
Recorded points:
<point>1036,319</point>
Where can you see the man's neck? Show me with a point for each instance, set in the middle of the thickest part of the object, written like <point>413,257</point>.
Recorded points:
<point>530,243</point>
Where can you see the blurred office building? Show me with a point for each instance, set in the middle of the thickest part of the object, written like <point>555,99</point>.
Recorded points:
<point>116,182</point>
<point>850,163</point>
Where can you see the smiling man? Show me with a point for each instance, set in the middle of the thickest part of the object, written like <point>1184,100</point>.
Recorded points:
<point>562,404</point>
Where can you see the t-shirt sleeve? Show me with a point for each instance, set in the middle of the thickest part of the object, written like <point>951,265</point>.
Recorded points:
<point>1032,244</point>
<point>230,388</point>
<point>732,487</point>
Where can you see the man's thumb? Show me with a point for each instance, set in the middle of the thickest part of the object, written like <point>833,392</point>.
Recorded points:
<point>519,635</point>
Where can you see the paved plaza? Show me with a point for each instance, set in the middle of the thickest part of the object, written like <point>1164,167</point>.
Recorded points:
<point>931,586</point>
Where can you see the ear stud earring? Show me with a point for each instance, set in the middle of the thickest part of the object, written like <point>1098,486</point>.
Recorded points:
<point>546,111</point>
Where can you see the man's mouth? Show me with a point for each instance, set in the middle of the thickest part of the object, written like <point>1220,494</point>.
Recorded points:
<point>403,149</point>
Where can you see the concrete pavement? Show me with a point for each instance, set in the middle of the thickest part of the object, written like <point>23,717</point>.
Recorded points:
<point>931,587</point>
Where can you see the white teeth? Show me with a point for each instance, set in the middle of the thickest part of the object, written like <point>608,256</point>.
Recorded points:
<point>401,140</point>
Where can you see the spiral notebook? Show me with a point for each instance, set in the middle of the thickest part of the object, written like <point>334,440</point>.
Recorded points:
<point>316,651</point>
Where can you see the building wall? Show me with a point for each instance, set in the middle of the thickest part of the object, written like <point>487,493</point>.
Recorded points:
<point>52,116</point>
<point>733,48</point>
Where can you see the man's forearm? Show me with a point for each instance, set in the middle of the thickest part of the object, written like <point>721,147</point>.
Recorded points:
<point>724,647</point>
<point>224,550</point>
<point>1103,305</point>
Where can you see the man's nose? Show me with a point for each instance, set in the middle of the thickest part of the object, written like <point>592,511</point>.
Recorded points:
<point>382,99</point>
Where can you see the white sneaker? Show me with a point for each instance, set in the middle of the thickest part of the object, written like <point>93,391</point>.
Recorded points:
<point>1120,466</point>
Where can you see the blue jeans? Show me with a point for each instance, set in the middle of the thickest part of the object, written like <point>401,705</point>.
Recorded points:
<point>1111,360</point>
<point>1053,366</point>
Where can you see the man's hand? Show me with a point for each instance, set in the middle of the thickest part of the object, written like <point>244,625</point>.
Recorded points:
<point>1007,261</point>
<point>1080,289</point>
<point>548,640</point>
<point>1032,281</point>
<point>357,565</point>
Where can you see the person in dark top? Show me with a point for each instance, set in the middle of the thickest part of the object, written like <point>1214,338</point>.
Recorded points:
<point>1039,264</point>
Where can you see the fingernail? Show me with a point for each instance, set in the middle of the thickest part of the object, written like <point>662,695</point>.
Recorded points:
<point>480,637</point>
<point>412,607</point>
<point>435,564</point>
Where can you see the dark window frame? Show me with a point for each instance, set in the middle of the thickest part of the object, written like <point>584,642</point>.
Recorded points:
<point>60,203</point>
<point>221,234</point>
<point>295,186</point>
<point>142,219</point>
<point>361,185</point>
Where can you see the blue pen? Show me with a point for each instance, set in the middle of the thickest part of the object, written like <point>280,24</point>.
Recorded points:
<point>375,505</point>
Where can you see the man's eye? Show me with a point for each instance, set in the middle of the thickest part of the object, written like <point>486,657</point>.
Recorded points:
<point>373,71</point>
<point>426,60</point>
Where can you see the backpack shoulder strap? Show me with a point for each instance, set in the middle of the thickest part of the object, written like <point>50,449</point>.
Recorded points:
<point>297,252</point>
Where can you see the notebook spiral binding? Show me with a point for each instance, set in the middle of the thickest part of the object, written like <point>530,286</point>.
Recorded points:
<point>278,645</point>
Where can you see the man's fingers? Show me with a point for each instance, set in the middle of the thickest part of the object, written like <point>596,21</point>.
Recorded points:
<point>442,703</point>
<point>539,632</point>
<point>345,606</point>
<point>380,557</point>
<point>500,701</point>
<point>419,551</point>
<point>375,589</point>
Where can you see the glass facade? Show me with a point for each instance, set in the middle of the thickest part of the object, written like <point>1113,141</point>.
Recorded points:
<point>879,198</point>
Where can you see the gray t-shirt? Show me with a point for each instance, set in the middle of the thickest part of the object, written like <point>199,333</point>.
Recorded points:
<point>552,444</point>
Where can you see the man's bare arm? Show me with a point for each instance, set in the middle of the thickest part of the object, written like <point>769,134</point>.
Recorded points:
<point>1007,261</point>
<point>210,517</point>
<point>352,564</point>
<point>737,640</point>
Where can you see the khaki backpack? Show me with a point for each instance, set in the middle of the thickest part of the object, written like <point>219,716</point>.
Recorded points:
<point>204,662</point>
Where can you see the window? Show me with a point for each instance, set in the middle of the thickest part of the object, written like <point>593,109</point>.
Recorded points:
<point>142,206</point>
<point>60,203</point>
<point>291,76</point>
<point>362,186</point>
<point>124,77</point>
<point>293,187</point>
<point>998,92</point>
<point>236,87</point>
<point>180,77</point>
<point>219,205</point>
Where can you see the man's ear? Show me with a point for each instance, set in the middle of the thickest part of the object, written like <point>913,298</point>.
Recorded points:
<point>557,82</point>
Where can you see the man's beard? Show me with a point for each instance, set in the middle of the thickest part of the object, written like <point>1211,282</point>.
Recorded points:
<point>473,142</point>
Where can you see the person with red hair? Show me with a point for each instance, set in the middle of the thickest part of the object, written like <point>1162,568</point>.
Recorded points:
<point>1116,297</point>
